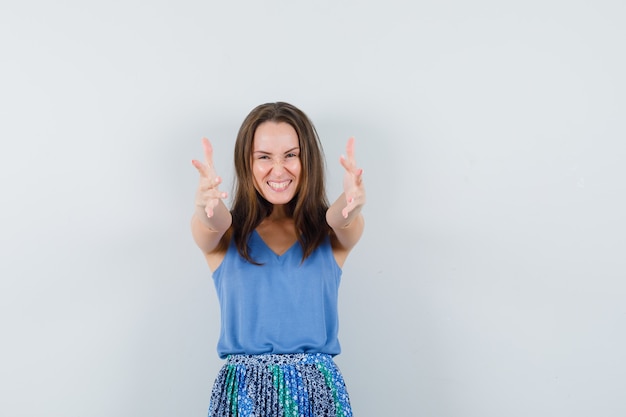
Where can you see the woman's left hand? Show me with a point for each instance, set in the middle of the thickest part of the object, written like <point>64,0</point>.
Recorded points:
<point>352,181</point>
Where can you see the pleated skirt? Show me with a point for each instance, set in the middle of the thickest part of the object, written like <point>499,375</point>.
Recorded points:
<point>271,385</point>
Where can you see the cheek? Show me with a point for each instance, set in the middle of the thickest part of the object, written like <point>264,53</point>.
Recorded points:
<point>257,175</point>
<point>295,167</point>
<point>258,170</point>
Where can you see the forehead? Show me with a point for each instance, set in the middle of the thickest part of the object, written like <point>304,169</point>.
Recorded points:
<point>275,136</point>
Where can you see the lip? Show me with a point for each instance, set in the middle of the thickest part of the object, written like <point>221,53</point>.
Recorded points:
<point>279,186</point>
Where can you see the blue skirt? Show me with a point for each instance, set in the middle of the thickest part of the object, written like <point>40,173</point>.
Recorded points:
<point>299,385</point>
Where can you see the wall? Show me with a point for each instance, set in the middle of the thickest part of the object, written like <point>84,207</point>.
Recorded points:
<point>489,282</point>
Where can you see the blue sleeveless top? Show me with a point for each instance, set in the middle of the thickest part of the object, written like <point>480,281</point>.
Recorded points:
<point>282,306</point>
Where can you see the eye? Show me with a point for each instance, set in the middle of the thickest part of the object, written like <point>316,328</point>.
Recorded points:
<point>292,155</point>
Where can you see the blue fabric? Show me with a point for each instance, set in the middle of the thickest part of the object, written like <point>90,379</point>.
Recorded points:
<point>299,384</point>
<point>282,306</point>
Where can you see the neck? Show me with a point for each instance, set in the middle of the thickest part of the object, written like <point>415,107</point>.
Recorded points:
<point>279,213</point>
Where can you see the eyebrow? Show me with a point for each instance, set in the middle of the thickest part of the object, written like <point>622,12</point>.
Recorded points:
<point>297,148</point>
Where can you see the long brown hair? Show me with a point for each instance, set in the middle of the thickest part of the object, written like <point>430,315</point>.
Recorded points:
<point>309,204</point>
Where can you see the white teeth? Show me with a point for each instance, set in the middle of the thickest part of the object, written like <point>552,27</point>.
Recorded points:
<point>278,186</point>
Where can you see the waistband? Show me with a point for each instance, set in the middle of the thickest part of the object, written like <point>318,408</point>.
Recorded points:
<point>280,359</point>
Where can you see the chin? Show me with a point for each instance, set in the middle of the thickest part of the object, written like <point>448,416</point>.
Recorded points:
<point>279,200</point>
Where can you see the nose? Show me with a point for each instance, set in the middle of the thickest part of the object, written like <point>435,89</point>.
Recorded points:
<point>278,166</point>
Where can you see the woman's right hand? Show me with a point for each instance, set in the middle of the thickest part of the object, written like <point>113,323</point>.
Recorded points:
<point>208,195</point>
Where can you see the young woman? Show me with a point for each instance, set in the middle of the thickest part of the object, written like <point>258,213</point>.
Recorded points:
<point>276,259</point>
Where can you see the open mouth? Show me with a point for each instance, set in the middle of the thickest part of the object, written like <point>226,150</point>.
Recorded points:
<point>278,186</point>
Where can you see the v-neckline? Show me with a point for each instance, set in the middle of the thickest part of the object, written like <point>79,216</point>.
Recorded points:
<point>272,251</point>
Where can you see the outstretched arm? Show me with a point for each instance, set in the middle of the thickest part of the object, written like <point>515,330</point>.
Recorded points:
<point>344,215</point>
<point>211,218</point>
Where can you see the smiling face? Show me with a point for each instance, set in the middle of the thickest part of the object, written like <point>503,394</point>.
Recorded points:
<point>276,164</point>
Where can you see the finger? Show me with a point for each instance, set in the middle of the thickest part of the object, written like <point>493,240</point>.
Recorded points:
<point>212,202</point>
<point>351,168</point>
<point>348,165</point>
<point>359,176</point>
<point>346,211</point>
<point>350,148</point>
<point>348,161</point>
<point>348,208</point>
<point>208,152</point>
<point>200,167</point>
<point>210,205</point>
<point>212,196</point>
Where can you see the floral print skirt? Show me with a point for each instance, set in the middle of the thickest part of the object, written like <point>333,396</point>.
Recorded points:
<point>272,385</point>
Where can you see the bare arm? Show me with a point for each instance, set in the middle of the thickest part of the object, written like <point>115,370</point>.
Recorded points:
<point>211,218</point>
<point>344,215</point>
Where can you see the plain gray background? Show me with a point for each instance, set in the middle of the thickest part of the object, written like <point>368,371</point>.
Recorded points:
<point>490,279</point>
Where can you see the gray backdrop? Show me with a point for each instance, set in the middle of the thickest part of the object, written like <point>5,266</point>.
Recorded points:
<point>490,279</point>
